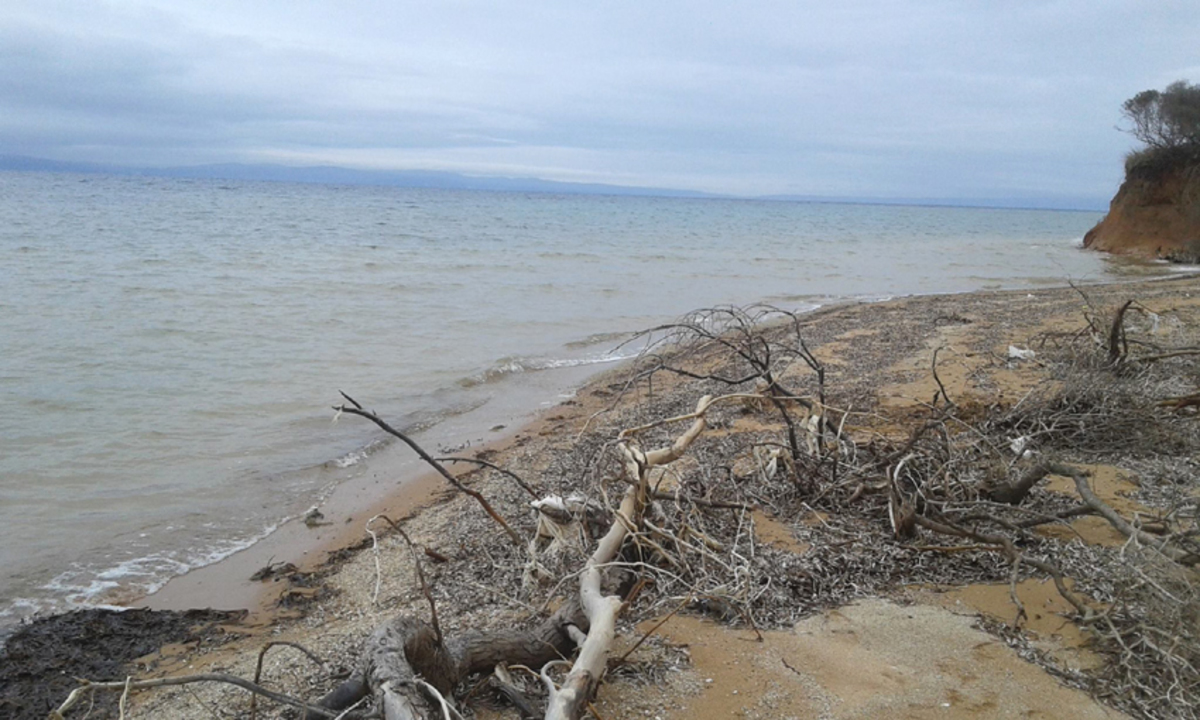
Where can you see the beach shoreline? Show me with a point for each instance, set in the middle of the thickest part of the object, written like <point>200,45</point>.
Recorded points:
<point>401,485</point>
<point>395,483</point>
<point>232,351</point>
<point>877,354</point>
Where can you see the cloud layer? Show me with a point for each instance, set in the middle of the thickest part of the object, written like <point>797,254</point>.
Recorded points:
<point>872,99</point>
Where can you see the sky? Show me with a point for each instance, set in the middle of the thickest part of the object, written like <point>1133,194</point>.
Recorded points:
<point>872,99</point>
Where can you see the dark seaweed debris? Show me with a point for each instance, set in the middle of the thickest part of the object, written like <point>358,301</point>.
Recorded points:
<point>40,663</point>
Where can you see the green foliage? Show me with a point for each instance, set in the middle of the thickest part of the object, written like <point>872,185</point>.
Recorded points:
<point>1153,162</point>
<point>1166,119</point>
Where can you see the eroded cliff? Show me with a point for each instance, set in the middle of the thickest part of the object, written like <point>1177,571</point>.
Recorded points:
<point>1156,213</point>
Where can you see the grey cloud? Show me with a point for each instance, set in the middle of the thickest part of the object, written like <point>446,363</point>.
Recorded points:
<point>875,98</point>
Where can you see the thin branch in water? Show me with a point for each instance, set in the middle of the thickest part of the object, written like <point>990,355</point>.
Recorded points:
<point>357,409</point>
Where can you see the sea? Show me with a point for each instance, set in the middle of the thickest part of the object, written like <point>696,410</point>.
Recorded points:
<point>170,349</point>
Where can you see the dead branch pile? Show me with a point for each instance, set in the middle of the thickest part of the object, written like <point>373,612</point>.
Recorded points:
<point>653,511</point>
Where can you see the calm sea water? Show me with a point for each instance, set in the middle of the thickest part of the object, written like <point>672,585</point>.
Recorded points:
<point>170,348</point>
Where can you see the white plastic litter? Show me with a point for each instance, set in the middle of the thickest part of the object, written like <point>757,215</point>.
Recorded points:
<point>1020,446</point>
<point>1016,353</point>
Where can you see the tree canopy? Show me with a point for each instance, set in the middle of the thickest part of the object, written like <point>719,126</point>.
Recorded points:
<point>1166,119</point>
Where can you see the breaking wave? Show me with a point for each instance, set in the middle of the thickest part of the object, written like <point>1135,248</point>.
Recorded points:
<point>515,365</point>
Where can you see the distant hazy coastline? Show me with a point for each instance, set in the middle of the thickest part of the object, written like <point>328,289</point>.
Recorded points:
<point>440,180</point>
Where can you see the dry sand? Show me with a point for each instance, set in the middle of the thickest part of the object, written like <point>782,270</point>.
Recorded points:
<point>874,658</point>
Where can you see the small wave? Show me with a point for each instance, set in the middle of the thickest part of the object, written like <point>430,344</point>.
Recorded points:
<point>597,339</point>
<point>560,255</point>
<point>83,587</point>
<point>80,587</point>
<point>350,459</point>
<point>808,303</point>
<point>517,365</point>
<point>413,423</point>
<point>354,457</point>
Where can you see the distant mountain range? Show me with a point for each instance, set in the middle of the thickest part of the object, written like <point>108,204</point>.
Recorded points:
<point>456,181</point>
<point>346,176</point>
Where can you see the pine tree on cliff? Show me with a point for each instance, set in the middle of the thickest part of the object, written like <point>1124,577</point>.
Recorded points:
<point>1168,120</point>
<point>1156,212</point>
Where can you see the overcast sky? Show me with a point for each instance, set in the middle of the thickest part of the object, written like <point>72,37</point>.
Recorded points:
<point>884,98</point>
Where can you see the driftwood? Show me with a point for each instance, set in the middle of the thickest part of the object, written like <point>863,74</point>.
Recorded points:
<point>1181,403</point>
<point>945,489</point>
<point>1013,493</point>
<point>86,688</point>
<point>739,331</point>
<point>1124,526</point>
<point>921,499</point>
<point>258,667</point>
<point>356,409</point>
<point>1118,346</point>
<point>405,649</point>
<point>410,668</point>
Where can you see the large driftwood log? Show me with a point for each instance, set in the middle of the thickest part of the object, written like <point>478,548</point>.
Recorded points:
<point>404,648</point>
<point>570,701</point>
<point>406,661</point>
<point>1013,493</point>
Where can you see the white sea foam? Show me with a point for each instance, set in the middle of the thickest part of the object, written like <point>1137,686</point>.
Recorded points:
<point>517,365</point>
<point>350,459</point>
<point>354,457</point>
<point>84,587</point>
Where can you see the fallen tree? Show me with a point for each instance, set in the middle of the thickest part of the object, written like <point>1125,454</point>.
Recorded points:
<point>952,498</point>
<point>409,667</point>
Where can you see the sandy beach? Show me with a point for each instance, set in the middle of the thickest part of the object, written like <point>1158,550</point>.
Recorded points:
<point>617,361</point>
<point>833,615</point>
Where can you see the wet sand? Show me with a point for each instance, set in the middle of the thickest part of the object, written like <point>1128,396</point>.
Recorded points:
<point>397,483</point>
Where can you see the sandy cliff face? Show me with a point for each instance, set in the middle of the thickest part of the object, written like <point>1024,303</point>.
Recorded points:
<point>1156,213</point>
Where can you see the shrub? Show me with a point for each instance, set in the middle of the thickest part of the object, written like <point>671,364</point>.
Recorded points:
<point>1154,162</point>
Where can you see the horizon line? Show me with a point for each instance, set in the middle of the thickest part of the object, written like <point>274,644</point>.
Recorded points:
<point>306,174</point>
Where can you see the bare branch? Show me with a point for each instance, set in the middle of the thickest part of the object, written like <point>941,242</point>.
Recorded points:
<point>357,409</point>
<point>88,686</point>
